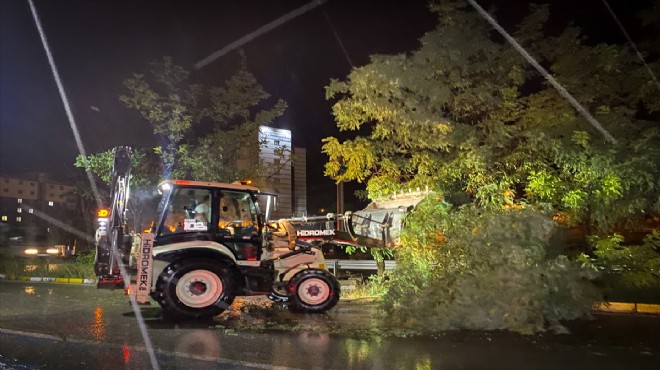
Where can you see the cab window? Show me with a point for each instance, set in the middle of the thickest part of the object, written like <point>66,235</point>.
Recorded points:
<point>238,215</point>
<point>189,210</point>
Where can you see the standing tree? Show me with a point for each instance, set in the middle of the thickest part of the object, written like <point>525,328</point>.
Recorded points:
<point>204,131</point>
<point>208,133</point>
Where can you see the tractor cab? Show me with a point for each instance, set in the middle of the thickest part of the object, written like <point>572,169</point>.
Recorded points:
<point>227,214</point>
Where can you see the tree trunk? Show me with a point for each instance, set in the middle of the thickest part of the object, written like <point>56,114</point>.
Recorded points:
<point>380,263</point>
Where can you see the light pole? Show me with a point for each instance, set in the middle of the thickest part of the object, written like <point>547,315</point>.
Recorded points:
<point>340,204</point>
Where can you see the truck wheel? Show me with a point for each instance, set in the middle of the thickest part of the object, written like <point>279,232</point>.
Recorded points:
<point>313,290</point>
<point>196,288</point>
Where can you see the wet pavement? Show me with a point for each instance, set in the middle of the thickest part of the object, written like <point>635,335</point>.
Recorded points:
<point>59,326</point>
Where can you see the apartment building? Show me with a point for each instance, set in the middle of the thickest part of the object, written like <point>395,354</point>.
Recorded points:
<point>24,200</point>
<point>288,174</point>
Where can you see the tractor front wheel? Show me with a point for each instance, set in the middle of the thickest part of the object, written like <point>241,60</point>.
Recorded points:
<point>313,290</point>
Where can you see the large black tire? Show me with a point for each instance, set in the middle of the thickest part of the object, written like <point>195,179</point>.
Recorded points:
<point>313,290</point>
<point>195,288</point>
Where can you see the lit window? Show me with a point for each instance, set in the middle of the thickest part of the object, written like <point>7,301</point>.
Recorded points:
<point>19,210</point>
<point>18,219</point>
<point>4,218</point>
<point>31,210</point>
<point>20,200</point>
<point>50,203</point>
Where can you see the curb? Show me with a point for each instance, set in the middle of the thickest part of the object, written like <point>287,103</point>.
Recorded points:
<point>625,307</point>
<point>57,280</point>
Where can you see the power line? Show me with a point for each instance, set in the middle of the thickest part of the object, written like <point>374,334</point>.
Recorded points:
<point>65,99</point>
<point>341,44</point>
<point>544,72</point>
<point>639,55</point>
<point>81,148</point>
<point>258,32</point>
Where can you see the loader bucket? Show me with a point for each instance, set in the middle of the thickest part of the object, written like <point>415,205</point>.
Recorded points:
<point>380,224</point>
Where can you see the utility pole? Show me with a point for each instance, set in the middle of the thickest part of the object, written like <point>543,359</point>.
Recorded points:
<point>340,204</point>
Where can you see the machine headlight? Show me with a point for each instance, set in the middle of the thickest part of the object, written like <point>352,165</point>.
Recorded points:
<point>52,251</point>
<point>31,251</point>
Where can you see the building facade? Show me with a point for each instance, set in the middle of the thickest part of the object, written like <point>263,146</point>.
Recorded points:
<point>299,181</point>
<point>23,202</point>
<point>286,173</point>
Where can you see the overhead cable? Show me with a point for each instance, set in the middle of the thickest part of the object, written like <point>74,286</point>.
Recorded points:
<point>639,55</point>
<point>258,32</point>
<point>65,99</point>
<point>544,72</point>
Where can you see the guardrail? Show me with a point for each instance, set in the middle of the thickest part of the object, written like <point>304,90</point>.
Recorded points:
<point>367,265</point>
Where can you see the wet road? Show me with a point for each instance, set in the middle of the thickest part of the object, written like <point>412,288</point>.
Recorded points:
<point>57,326</point>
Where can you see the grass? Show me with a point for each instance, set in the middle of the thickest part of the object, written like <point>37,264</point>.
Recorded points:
<point>12,267</point>
<point>15,268</point>
<point>373,287</point>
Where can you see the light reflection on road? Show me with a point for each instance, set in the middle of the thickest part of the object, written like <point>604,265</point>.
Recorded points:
<point>357,351</point>
<point>127,353</point>
<point>315,342</point>
<point>98,326</point>
<point>200,342</point>
<point>29,290</point>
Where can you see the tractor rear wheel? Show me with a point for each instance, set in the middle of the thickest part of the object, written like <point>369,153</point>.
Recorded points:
<point>196,288</point>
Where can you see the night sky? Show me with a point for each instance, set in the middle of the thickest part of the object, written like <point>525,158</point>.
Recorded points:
<point>97,44</point>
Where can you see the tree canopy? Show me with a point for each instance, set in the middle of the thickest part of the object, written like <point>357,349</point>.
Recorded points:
<point>204,132</point>
<point>466,115</point>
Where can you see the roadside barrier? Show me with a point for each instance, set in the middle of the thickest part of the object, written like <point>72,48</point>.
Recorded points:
<point>368,265</point>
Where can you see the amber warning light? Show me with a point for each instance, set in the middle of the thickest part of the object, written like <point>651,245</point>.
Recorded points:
<point>103,213</point>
